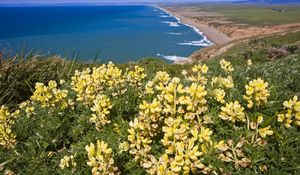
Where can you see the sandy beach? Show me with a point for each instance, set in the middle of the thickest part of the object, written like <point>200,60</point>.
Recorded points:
<point>211,33</point>
<point>224,32</point>
<point>220,29</point>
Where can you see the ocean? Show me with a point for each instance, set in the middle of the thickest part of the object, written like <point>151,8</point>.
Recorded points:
<point>111,33</point>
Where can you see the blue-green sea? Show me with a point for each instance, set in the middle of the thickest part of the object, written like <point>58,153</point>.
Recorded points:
<point>118,33</point>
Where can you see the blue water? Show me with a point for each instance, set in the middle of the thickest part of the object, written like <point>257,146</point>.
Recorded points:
<point>116,33</point>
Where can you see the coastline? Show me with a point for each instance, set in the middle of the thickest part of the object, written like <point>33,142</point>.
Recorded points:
<point>209,43</point>
<point>210,34</point>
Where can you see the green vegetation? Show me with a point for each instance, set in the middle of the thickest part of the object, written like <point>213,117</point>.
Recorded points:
<point>255,15</point>
<point>48,130</point>
<point>19,74</point>
<point>264,49</point>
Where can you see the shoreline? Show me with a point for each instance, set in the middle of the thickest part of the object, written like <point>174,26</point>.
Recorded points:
<point>210,34</point>
<point>209,43</point>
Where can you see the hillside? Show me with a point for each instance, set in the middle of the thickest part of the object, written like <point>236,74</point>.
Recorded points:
<point>270,47</point>
<point>272,1</point>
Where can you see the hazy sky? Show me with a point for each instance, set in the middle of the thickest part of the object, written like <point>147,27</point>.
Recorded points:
<point>98,1</point>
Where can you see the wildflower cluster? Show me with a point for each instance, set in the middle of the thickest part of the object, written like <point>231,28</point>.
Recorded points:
<point>101,107</point>
<point>200,71</point>
<point>257,92</point>
<point>222,82</point>
<point>67,162</point>
<point>292,114</point>
<point>176,111</point>
<point>195,125</point>
<point>249,62</point>
<point>89,83</point>
<point>233,112</point>
<point>7,138</point>
<point>100,159</point>
<point>136,76</point>
<point>51,96</point>
<point>226,66</point>
<point>160,80</point>
<point>219,95</point>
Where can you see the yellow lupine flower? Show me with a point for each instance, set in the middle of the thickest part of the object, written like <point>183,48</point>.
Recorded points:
<point>221,146</point>
<point>260,119</point>
<point>154,107</point>
<point>219,95</point>
<point>200,68</point>
<point>292,113</point>
<point>123,147</point>
<point>100,159</point>
<point>233,111</point>
<point>249,62</point>
<point>184,72</point>
<point>186,157</point>
<point>138,138</point>
<point>67,161</point>
<point>136,76</point>
<point>101,109</point>
<point>50,96</point>
<point>226,66</point>
<point>223,82</point>
<point>263,132</point>
<point>256,92</point>
<point>29,111</point>
<point>161,77</point>
<point>7,138</point>
<point>62,81</point>
<point>195,100</point>
<point>89,83</point>
<point>149,87</point>
<point>205,134</point>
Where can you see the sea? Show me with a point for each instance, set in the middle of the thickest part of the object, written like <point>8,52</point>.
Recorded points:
<point>118,33</point>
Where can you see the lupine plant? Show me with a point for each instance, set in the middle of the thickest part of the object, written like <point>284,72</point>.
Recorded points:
<point>106,120</point>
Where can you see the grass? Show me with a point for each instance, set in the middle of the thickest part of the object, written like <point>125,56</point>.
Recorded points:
<point>50,134</point>
<point>19,73</point>
<point>259,48</point>
<point>282,71</point>
<point>255,15</point>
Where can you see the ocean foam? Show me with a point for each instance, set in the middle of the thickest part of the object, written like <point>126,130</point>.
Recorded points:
<point>196,43</point>
<point>171,24</point>
<point>164,16</point>
<point>174,33</point>
<point>173,57</point>
<point>193,27</point>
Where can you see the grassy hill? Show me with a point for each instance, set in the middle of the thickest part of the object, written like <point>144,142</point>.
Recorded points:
<point>254,15</point>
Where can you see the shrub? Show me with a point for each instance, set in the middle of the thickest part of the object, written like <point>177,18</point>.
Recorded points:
<point>108,120</point>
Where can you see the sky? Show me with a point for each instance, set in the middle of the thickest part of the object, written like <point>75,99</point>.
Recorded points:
<point>100,1</point>
<point>138,1</point>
